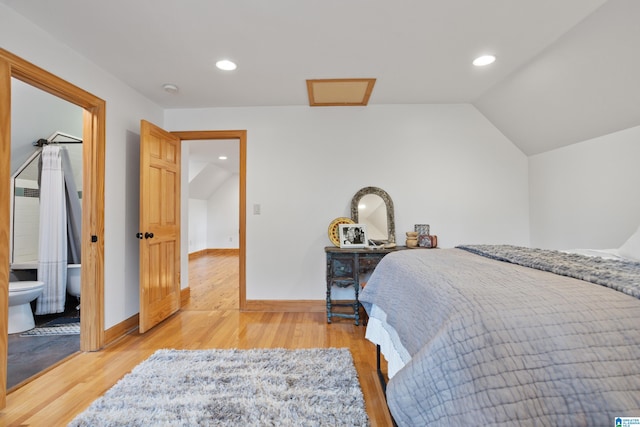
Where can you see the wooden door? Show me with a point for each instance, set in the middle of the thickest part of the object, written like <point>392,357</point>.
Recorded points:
<point>159,231</point>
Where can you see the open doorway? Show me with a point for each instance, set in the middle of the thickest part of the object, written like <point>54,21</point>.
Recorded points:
<point>240,137</point>
<point>93,137</point>
<point>162,221</point>
<point>213,183</point>
<point>38,120</point>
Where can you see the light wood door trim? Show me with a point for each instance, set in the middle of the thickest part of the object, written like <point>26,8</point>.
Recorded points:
<point>241,136</point>
<point>5,213</point>
<point>92,275</point>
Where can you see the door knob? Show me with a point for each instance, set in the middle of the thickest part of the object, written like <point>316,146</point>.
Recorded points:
<point>139,235</point>
<point>148,235</point>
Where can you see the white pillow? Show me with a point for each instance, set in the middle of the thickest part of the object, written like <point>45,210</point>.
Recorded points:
<point>631,248</point>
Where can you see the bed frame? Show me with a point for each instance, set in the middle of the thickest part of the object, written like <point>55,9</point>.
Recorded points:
<point>383,382</point>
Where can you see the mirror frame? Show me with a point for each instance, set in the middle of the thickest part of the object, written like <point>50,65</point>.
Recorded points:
<point>391,225</point>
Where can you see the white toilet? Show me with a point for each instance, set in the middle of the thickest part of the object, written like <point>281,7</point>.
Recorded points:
<point>20,296</point>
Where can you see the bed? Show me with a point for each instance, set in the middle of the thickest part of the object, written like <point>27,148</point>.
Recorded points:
<point>489,335</point>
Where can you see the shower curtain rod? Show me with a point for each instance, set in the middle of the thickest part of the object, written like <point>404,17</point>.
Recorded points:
<point>51,140</point>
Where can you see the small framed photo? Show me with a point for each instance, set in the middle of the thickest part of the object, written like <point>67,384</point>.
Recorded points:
<point>353,235</point>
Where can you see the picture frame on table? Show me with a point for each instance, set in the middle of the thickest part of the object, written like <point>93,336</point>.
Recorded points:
<point>353,235</point>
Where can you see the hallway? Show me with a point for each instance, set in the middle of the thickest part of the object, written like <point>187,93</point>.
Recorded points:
<point>213,279</point>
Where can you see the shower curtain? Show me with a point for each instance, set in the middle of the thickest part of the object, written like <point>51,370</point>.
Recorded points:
<point>74,210</point>
<point>59,241</point>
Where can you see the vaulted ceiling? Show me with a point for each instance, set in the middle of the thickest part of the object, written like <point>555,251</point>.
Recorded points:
<point>566,71</point>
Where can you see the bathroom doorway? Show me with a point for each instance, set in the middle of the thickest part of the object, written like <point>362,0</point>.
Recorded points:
<point>39,119</point>
<point>92,334</point>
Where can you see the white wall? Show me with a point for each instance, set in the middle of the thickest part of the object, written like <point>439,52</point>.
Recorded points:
<point>125,108</point>
<point>586,195</point>
<point>444,165</point>
<point>214,223</point>
<point>37,114</point>
<point>223,223</point>
<point>197,225</point>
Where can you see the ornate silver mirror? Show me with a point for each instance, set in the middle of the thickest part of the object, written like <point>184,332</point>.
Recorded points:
<point>373,207</point>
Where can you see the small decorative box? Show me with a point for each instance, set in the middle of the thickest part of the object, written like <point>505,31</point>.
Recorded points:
<point>422,229</point>
<point>424,241</point>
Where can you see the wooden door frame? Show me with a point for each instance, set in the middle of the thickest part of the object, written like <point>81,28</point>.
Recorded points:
<point>241,136</point>
<point>93,135</point>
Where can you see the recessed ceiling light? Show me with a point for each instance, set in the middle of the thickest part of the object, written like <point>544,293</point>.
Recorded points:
<point>222,158</point>
<point>170,88</point>
<point>484,60</point>
<point>226,65</point>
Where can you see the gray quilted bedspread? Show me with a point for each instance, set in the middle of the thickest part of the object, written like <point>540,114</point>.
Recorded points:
<point>493,343</point>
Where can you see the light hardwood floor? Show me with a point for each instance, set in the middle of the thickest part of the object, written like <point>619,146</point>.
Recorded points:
<point>210,319</point>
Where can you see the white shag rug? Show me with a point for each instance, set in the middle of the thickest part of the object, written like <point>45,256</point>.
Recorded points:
<point>258,387</point>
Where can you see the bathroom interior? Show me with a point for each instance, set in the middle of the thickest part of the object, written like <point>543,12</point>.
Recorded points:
<point>45,258</point>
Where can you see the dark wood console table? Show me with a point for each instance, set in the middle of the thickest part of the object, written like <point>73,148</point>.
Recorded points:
<point>344,267</point>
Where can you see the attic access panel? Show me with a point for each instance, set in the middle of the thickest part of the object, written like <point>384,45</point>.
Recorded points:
<point>339,92</point>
